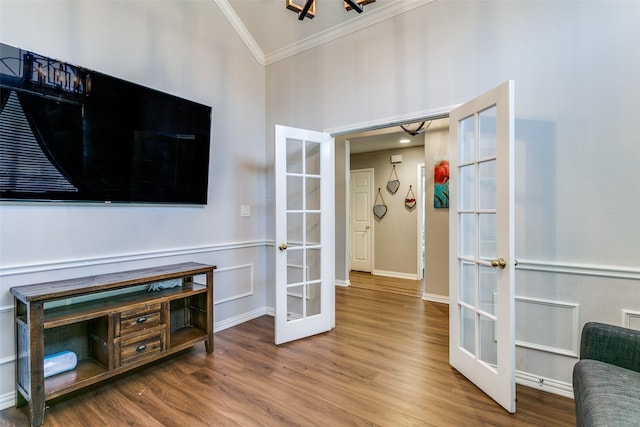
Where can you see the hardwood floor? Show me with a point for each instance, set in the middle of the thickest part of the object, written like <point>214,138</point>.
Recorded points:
<point>412,288</point>
<point>385,364</point>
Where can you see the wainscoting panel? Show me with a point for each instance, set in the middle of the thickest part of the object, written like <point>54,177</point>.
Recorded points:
<point>7,385</point>
<point>232,283</point>
<point>631,319</point>
<point>550,326</point>
<point>7,334</point>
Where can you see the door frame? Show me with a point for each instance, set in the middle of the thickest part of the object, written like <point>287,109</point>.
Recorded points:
<point>422,205</point>
<point>426,115</point>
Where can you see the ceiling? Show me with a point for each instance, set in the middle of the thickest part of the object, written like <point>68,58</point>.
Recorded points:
<point>389,138</point>
<point>272,32</point>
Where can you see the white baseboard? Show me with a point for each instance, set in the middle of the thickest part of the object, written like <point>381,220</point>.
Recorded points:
<point>545,384</point>
<point>343,283</point>
<point>435,298</point>
<point>245,317</point>
<point>395,274</point>
<point>7,400</point>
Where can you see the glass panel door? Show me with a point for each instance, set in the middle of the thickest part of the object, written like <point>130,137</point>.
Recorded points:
<point>482,339</point>
<point>304,233</point>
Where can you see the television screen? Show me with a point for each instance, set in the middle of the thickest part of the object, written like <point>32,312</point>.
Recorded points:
<point>71,134</point>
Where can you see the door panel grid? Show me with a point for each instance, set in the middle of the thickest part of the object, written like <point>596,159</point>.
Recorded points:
<point>303,229</point>
<point>481,226</point>
<point>477,213</point>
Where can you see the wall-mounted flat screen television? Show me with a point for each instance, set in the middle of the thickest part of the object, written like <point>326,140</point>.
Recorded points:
<point>68,133</point>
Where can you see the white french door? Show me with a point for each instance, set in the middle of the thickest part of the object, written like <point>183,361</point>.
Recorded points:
<point>481,261</point>
<point>305,233</point>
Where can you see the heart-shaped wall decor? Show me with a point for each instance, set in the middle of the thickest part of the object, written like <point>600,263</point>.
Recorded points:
<point>379,211</point>
<point>410,203</point>
<point>393,186</point>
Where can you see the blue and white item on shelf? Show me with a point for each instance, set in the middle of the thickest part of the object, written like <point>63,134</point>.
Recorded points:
<point>59,362</point>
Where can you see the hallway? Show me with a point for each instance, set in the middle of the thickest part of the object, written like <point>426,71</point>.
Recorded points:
<point>407,287</point>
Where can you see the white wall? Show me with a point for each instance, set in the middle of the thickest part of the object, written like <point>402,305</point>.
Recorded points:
<point>187,48</point>
<point>576,67</point>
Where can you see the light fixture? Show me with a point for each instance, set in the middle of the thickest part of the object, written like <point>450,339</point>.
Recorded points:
<point>414,129</point>
<point>308,10</point>
<point>357,5</point>
<point>405,141</point>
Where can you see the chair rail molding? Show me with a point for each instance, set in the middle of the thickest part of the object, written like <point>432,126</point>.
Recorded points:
<point>612,271</point>
<point>12,270</point>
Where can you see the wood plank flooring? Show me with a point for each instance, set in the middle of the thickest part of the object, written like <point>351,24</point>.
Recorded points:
<point>362,280</point>
<point>385,364</point>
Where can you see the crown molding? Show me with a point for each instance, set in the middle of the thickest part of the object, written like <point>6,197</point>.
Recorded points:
<point>386,11</point>
<point>242,31</point>
<point>364,20</point>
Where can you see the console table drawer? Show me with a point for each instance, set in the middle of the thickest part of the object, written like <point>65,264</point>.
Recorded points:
<point>134,348</point>
<point>145,317</point>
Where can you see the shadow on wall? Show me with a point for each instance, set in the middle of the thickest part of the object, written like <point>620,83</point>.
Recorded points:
<point>535,215</point>
<point>535,189</point>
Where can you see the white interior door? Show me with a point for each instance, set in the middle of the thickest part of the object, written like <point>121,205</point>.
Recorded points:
<point>361,222</point>
<point>481,261</point>
<point>305,233</point>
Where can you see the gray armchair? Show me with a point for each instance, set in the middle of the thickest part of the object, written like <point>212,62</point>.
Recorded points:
<point>606,379</point>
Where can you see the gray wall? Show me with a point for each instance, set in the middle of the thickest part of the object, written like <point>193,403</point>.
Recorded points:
<point>185,48</point>
<point>436,278</point>
<point>575,66</point>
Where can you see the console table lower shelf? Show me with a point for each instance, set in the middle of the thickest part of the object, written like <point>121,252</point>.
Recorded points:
<point>112,323</point>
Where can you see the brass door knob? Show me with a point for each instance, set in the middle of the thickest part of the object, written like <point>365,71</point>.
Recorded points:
<point>499,263</point>
<point>282,246</point>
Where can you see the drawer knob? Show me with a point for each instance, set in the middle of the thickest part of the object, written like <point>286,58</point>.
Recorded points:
<point>141,319</point>
<point>141,348</point>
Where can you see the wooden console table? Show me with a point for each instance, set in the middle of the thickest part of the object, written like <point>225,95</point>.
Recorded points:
<point>110,332</point>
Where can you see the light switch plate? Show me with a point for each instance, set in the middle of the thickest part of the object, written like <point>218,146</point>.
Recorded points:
<point>245,210</point>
